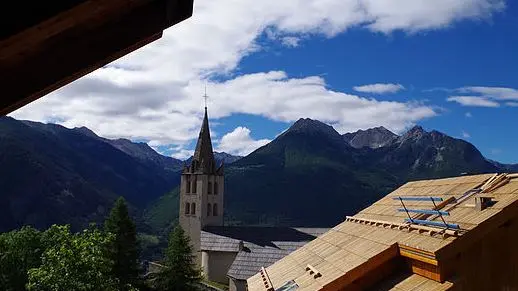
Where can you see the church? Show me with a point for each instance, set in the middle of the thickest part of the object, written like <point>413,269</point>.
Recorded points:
<point>227,254</point>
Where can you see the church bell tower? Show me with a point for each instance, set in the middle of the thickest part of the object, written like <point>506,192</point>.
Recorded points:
<point>201,190</point>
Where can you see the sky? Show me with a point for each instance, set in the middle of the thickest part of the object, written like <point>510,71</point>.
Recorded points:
<point>448,65</point>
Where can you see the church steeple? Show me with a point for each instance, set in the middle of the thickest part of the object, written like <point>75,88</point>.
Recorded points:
<point>201,190</point>
<point>203,159</point>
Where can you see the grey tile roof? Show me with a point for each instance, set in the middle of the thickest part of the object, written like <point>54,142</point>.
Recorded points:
<point>263,246</point>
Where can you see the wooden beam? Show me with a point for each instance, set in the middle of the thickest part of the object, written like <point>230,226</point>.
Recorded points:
<point>70,46</point>
<point>426,270</point>
<point>417,254</point>
<point>74,76</point>
<point>88,15</point>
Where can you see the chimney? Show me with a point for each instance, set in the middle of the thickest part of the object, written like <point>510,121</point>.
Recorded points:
<point>241,245</point>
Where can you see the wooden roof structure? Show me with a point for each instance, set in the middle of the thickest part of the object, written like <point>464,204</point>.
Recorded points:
<point>369,246</point>
<point>48,44</point>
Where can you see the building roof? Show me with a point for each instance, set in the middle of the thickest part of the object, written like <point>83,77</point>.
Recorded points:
<point>261,246</point>
<point>203,161</point>
<point>378,233</point>
<point>49,44</point>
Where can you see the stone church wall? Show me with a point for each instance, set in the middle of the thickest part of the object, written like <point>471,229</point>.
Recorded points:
<point>216,265</point>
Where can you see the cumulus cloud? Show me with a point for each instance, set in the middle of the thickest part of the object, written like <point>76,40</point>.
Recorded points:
<point>468,114</point>
<point>512,104</point>
<point>239,142</point>
<point>379,88</point>
<point>155,93</point>
<point>473,101</point>
<point>287,99</point>
<point>465,134</point>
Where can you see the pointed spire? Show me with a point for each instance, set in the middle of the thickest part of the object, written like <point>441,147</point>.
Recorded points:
<point>203,159</point>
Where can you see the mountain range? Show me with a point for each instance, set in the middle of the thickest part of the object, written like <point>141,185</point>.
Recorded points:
<point>310,175</point>
<point>52,174</point>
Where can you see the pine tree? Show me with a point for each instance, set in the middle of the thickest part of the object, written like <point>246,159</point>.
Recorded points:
<point>180,272</point>
<point>124,250</point>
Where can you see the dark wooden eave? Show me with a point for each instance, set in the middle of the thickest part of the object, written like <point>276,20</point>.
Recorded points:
<point>48,44</point>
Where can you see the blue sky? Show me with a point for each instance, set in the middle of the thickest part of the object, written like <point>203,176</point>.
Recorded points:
<point>480,53</point>
<point>448,65</point>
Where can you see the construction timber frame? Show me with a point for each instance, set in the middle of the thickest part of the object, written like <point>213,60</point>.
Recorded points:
<point>48,44</point>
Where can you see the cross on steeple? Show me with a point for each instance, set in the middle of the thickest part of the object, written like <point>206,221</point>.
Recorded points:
<point>203,159</point>
<point>205,96</point>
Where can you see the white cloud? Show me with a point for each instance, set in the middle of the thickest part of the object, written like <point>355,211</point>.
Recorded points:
<point>155,92</point>
<point>277,97</point>
<point>468,115</point>
<point>492,92</point>
<point>182,154</point>
<point>465,134</point>
<point>239,142</point>
<point>473,101</point>
<point>290,41</point>
<point>379,88</point>
<point>486,96</point>
<point>416,15</point>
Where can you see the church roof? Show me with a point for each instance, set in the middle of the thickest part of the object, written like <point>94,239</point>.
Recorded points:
<point>262,246</point>
<point>378,233</point>
<point>203,161</point>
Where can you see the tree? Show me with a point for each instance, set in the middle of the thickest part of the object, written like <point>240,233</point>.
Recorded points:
<point>20,250</point>
<point>74,261</point>
<point>180,272</point>
<point>124,249</point>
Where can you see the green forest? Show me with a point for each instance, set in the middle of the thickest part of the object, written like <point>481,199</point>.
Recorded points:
<point>100,257</point>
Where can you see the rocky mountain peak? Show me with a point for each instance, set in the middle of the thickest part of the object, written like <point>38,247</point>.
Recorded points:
<point>373,137</point>
<point>308,125</point>
<point>415,133</point>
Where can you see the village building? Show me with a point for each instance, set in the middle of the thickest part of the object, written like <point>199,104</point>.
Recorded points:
<point>227,254</point>
<point>457,233</point>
